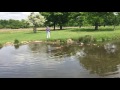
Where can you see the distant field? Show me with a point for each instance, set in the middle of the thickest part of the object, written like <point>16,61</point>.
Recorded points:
<point>9,35</point>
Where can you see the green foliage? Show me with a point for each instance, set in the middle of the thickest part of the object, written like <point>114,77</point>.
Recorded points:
<point>93,18</point>
<point>13,24</point>
<point>16,42</point>
<point>103,39</point>
<point>1,45</point>
<point>65,19</point>
<point>81,39</point>
<point>94,40</point>
<point>77,19</point>
<point>87,39</point>
<point>63,41</point>
<point>56,18</point>
<point>1,26</point>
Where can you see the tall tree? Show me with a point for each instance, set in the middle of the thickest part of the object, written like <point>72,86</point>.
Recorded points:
<point>35,20</point>
<point>81,19</point>
<point>97,18</point>
<point>115,19</point>
<point>77,19</point>
<point>62,18</point>
<point>53,18</point>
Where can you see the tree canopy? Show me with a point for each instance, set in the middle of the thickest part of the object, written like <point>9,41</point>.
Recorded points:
<point>59,18</point>
<point>35,20</point>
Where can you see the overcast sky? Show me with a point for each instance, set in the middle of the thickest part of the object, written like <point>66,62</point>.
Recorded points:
<point>14,15</point>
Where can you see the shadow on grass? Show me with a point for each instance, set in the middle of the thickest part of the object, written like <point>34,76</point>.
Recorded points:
<point>38,31</point>
<point>31,33</point>
<point>76,30</point>
<point>91,30</point>
<point>51,30</point>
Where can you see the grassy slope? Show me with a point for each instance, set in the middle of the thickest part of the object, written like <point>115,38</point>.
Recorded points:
<point>75,33</point>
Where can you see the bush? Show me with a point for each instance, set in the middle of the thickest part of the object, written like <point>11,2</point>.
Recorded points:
<point>94,40</point>
<point>103,39</point>
<point>62,41</point>
<point>81,39</point>
<point>16,42</point>
<point>87,39</point>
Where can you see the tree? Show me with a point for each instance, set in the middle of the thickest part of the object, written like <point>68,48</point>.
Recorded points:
<point>77,19</point>
<point>62,18</point>
<point>53,18</point>
<point>80,19</point>
<point>115,19</point>
<point>98,18</point>
<point>24,24</point>
<point>95,18</point>
<point>35,20</point>
<point>13,24</point>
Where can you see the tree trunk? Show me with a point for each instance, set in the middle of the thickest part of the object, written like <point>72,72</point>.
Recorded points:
<point>96,26</point>
<point>34,29</point>
<point>54,25</point>
<point>60,27</point>
<point>80,26</point>
<point>114,27</point>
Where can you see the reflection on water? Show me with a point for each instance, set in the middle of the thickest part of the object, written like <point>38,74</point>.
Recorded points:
<point>110,48</point>
<point>16,46</point>
<point>44,60</point>
<point>99,61</point>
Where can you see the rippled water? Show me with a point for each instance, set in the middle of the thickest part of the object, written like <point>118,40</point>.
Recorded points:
<point>37,60</point>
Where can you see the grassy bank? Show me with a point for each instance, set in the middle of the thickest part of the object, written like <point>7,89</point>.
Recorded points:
<point>73,33</point>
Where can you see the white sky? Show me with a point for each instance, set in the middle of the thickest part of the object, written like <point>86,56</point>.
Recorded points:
<point>13,15</point>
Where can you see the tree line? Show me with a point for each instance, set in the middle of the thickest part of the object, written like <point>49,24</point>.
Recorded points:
<point>61,19</point>
<point>13,24</point>
<point>82,19</point>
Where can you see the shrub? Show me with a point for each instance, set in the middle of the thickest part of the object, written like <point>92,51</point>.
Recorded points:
<point>87,39</point>
<point>81,39</point>
<point>16,41</point>
<point>103,39</point>
<point>94,40</point>
<point>62,41</point>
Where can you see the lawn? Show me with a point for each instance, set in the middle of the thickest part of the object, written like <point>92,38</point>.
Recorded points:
<point>74,33</point>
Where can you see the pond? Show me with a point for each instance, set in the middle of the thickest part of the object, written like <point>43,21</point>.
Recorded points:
<point>39,60</point>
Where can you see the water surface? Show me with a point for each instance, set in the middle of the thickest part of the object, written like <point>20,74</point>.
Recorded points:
<point>37,60</point>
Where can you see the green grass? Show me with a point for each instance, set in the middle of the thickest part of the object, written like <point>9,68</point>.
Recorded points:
<point>73,33</point>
